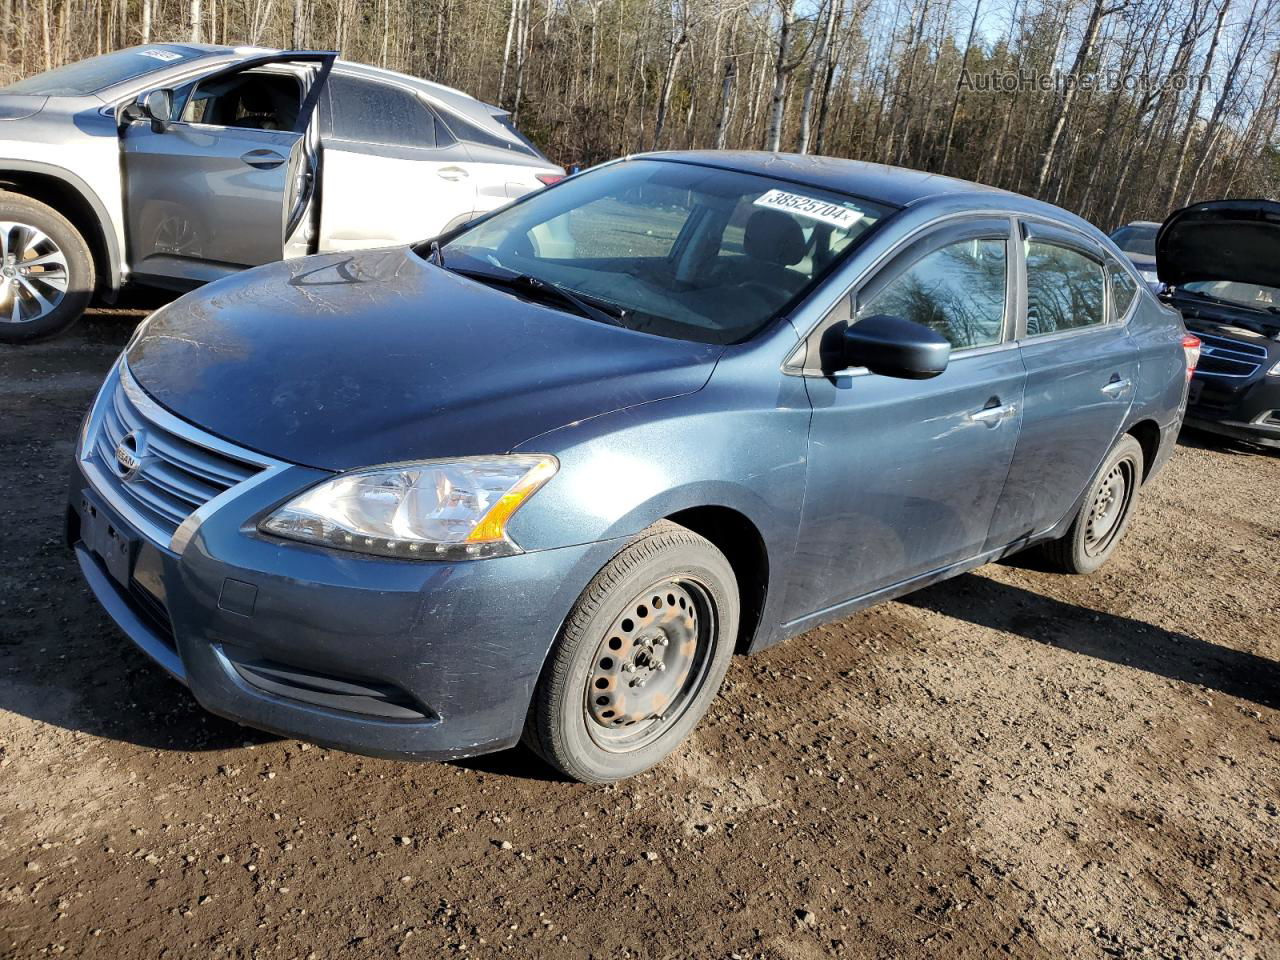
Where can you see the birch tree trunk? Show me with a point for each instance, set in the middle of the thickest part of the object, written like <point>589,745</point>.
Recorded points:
<point>679,36</point>
<point>817,68</point>
<point>780,71</point>
<point>955,102</point>
<point>1096,15</point>
<point>1194,113</point>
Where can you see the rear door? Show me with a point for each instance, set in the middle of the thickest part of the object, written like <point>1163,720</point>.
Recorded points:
<point>392,173</point>
<point>903,475</point>
<point>1082,372</point>
<point>225,185</point>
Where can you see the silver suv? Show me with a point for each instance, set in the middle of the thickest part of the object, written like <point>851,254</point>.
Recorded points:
<point>176,164</point>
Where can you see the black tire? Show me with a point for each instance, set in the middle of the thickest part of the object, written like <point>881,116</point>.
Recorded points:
<point>570,723</point>
<point>1094,533</point>
<point>79,273</point>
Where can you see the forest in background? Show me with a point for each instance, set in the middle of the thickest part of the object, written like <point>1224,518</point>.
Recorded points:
<point>1125,109</point>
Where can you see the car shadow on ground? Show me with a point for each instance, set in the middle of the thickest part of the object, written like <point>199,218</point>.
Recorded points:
<point>1106,636</point>
<point>1216,443</point>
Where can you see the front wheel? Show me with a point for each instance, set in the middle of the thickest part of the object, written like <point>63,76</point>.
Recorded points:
<point>1104,516</point>
<point>639,660</point>
<point>46,270</point>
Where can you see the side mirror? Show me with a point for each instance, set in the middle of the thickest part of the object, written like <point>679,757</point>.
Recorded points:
<point>156,106</point>
<point>894,347</point>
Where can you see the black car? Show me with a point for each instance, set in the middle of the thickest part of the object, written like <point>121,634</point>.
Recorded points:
<point>1222,264</point>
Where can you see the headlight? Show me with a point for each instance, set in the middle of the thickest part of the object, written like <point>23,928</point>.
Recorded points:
<point>1274,371</point>
<point>430,510</point>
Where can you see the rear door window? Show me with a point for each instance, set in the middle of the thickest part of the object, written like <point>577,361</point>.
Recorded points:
<point>1066,289</point>
<point>371,112</point>
<point>958,290</point>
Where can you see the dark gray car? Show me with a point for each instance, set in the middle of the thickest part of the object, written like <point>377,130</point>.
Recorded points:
<point>543,478</point>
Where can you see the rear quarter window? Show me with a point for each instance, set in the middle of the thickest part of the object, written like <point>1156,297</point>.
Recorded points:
<point>371,112</point>
<point>1123,288</point>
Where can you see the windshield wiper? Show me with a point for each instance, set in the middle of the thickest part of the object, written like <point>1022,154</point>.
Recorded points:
<point>599,310</point>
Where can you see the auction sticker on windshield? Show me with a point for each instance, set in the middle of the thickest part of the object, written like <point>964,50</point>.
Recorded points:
<point>811,208</point>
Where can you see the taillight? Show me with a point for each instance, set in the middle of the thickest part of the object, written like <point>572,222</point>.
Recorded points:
<point>547,179</point>
<point>1191,347</point>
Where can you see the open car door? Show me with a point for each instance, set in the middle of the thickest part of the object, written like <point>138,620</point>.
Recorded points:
<point>228,180</point>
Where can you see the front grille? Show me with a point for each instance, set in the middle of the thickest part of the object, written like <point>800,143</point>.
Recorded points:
<point>157,476</point>
<point>1225,357</point>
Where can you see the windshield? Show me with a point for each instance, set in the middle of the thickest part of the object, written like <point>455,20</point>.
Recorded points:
<point>1139,240</point>
<point>1245,294</point>
<point>692,252</point>
<point>97,73</point>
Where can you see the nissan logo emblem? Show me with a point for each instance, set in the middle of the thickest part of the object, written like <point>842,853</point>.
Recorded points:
<point>130,454</point>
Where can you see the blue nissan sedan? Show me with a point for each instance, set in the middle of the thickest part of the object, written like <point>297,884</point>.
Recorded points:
<point>539,478</point>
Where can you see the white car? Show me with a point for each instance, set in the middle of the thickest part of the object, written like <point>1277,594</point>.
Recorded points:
<point>176,164</point>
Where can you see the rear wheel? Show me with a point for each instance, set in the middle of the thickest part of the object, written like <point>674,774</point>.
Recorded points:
<point>46,270</point>
<point>1104,516</point>
<point>641,656</point>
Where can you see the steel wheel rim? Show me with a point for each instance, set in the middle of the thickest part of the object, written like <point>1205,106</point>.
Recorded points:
<point>650,665</point>
<point>1107,507</point>
<point>33,273</point>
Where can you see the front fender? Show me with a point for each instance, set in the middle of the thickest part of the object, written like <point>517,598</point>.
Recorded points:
<point>621,472</point>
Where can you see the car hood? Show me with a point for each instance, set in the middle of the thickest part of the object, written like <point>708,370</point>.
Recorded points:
<point>348,360</point>
<point>1235,240</point>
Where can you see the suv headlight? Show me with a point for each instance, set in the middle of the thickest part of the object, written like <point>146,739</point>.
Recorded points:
<point>429,510</point>
<point>1274,371</point>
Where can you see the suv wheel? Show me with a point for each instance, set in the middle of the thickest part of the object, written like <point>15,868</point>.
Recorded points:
<point>641,656</point>
<point>1104,516</point>
<point>46,270</point>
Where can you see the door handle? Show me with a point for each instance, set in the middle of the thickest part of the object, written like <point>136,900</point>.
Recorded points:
<point>452,173</point>
<point>1117,388</point>
<point>994,416</point>
<point>263,159</point>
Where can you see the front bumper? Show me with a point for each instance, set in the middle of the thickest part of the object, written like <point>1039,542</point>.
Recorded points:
<point>1244,410</point>
<point>407,659</point>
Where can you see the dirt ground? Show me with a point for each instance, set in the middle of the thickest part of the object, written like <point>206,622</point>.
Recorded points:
<point>1012,763</point>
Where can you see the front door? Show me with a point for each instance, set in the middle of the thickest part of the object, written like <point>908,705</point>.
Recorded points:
<point>220,187</point>
<point>903,475</point>
<point>1082,372</point>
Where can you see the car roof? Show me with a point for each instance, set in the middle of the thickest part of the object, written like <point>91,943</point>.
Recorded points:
<point>897,186</point>
<point>894,186</point>
<point>449,95</point>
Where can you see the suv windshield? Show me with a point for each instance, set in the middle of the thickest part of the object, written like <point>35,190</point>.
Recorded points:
<point>1139,240</point>
<point>1245,294</point>
<point>97,73</point>
<point>679,250</point>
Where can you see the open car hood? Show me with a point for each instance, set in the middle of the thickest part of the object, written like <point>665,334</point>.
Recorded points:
<point>1234,240</point>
